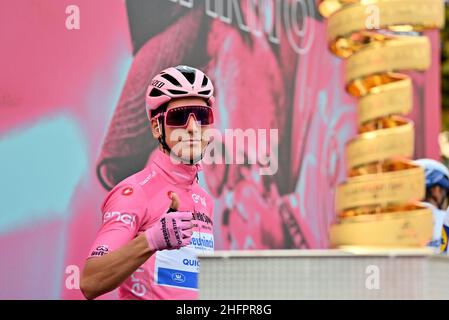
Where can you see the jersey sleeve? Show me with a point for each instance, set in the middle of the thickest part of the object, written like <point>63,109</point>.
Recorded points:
<point>123,212</point>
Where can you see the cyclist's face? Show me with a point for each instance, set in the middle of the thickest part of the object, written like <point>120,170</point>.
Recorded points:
<point>439,198</point>
<point>187,142</point>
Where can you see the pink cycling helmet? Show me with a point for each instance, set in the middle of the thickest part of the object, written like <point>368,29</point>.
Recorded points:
<point>178,82</point>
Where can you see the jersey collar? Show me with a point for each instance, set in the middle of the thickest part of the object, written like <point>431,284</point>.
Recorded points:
<point>175,172</point>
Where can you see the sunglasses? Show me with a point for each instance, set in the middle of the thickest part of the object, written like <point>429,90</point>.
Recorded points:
<point>179,116</point>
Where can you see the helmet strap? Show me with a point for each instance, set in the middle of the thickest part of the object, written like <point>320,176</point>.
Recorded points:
<point>162,134</point>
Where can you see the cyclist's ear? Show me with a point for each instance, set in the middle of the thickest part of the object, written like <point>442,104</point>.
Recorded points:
<point>155,128</point>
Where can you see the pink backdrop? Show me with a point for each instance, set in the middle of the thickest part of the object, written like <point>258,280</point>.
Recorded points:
<point>72,123</point>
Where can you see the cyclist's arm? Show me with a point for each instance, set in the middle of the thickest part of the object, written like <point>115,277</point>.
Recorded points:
<point>116,252</point>
<point>105,273</point>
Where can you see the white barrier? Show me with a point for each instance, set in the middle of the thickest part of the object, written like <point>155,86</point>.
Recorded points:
<point>324,274</point>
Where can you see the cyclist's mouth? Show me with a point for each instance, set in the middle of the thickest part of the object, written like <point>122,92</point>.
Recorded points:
<point>192,142</point>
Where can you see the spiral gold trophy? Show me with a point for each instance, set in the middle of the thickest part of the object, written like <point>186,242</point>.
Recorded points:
<point>378,205</point>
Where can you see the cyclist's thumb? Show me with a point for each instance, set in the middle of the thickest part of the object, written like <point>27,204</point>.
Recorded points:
<point>174,206</point>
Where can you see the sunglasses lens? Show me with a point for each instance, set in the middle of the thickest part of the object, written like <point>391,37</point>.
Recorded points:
<point>179,116</point>
<point>204,115</point>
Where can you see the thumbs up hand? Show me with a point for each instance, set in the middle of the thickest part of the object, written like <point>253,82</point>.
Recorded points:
<point>172,231</point>
<point>174,201</point>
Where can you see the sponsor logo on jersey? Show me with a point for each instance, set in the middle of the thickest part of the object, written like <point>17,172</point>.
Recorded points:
<point>148,178</point>
<point>204,241</point>
<point>138,287</point>
<point>179,268</point>
<point>441,244</point>
<point>126,218</point>
<point>100,251</point>
<point>127,191</point>
<point>178,277</point>
<point>191,262</point>
<point>197,198</point>
<point>199,216</point>
<point>436,243</point>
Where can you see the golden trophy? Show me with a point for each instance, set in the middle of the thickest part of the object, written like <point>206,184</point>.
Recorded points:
<point>378,205</point>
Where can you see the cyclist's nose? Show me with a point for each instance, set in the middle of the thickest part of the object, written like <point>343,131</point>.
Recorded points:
<point>192,125</point>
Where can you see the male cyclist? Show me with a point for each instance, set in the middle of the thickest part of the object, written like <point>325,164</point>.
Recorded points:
<point>156,221</point>
<point>437,198</point>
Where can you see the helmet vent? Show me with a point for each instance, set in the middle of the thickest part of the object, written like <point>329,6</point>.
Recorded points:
<point>205,92</point>
<point>205,81</point>
<point>177,92</point>
<point>171,79</point>
<point>190,76</point>
<point>155,93</point>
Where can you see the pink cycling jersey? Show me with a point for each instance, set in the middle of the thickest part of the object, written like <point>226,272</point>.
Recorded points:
<point>135,205</point>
